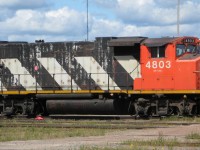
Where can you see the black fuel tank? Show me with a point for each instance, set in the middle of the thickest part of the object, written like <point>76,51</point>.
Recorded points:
<point>94,106</point>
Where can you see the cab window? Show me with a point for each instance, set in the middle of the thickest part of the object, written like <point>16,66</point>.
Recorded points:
<point>191,49</point>
<point>157,52</point>
<point>198,49</point>
<point>180,49</point>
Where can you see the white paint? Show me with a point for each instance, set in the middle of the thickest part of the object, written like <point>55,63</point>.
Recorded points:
<point>130,64</point>
<point>158,64</point>
<point>58,73</point>
<point>98,74</point>
<point>2,87</point>
<point>21,74</point>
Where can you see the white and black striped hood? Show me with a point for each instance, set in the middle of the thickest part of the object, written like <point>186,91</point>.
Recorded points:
<point>67,65</point>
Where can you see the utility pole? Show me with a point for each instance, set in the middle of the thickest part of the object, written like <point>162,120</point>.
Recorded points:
<point>87,22</point>
<point>178,18</point>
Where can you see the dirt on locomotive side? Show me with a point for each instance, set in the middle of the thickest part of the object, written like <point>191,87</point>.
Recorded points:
<point>167,133</point>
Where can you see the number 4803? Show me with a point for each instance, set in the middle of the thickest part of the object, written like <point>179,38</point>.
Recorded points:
<point>158,64</point>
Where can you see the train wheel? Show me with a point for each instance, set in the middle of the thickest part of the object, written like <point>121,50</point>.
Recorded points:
<point>143,112</point>
<point>18,110</point>
<point>173,111</point>
<point>176,112</point>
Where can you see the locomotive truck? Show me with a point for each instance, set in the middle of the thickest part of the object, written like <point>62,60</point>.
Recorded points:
<point>111,75</point>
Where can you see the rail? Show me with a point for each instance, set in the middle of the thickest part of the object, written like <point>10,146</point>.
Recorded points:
<point>62,83</point>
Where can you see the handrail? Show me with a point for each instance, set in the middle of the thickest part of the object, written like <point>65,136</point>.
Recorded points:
<point>22,82</point>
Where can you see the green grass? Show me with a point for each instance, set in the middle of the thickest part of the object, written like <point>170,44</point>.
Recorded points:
<point>193,136</point>
<point>160,141</point>
<point>97,148</point>
<point>121,125</point>
<point>156,144</point>
<point>181,119</point>
<point>110,148</point>
<point>37,133</point>
<point>34,133</point>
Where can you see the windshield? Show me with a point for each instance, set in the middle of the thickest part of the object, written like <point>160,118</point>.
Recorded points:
<point>198,49</point>
<point>191,49</point>
<point>181,49</point>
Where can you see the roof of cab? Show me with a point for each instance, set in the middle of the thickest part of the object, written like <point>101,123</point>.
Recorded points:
<point>154,42</point>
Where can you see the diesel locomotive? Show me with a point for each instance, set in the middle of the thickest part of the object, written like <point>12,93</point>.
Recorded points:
<point>111,75</point>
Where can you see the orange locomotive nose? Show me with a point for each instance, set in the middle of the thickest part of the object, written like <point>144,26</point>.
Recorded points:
<point>169,64</point>
<point>197,73</point>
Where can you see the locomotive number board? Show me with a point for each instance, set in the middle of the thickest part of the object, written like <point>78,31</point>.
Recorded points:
<point>188,40</point>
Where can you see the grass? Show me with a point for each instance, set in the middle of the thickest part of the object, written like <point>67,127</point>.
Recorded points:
<point>99,148</point>
<point>115,124</point>
<point>38,133</point>
<point>160,141</point>
<point>156,144</point>
<point>182,119</point>
<point>35,133</point>
<point>193,136</point>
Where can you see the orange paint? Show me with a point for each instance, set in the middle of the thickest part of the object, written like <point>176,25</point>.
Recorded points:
<point>170,72</point>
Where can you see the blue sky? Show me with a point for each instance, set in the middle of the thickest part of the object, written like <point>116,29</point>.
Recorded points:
<point>65,20</point>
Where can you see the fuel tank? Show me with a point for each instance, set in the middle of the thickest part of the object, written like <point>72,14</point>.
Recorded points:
<point>87,106</point>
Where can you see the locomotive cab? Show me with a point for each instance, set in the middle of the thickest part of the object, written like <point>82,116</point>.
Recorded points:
<point>169,64</point>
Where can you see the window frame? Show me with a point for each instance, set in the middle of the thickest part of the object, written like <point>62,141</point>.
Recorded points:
<point>158,53</point>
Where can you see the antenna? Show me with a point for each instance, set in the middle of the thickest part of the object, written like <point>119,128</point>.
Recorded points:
<point>178,18</point>
<point>87,22</point>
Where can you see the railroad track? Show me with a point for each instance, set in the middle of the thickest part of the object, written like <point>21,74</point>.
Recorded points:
<point>53,122</point>
<point>94,117</point>
<point>100,117</point>
<point>111,126</point>
<point>110,122</point>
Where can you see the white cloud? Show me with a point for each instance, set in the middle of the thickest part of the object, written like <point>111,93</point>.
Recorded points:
<point>59,22</point>
<point>24,20</point>
<point>153,12</point>
<point>132,18</point>
<point>189,12</point>
<point>65,20</point>
<point>105,28</point>
<point>145,13</point>
<point>8,8</point>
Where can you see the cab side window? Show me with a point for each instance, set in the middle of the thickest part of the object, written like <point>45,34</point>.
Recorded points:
<point>180,49</point>
<point>157,52</point>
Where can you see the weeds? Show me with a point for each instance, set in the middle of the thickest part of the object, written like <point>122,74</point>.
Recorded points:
<point>110,148</point>
<point>159,142</point>
<point>193,136</point>
<point>35,133</point>
<point>182,119</point>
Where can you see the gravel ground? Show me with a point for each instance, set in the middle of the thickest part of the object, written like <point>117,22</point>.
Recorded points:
<point>110,139</point>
